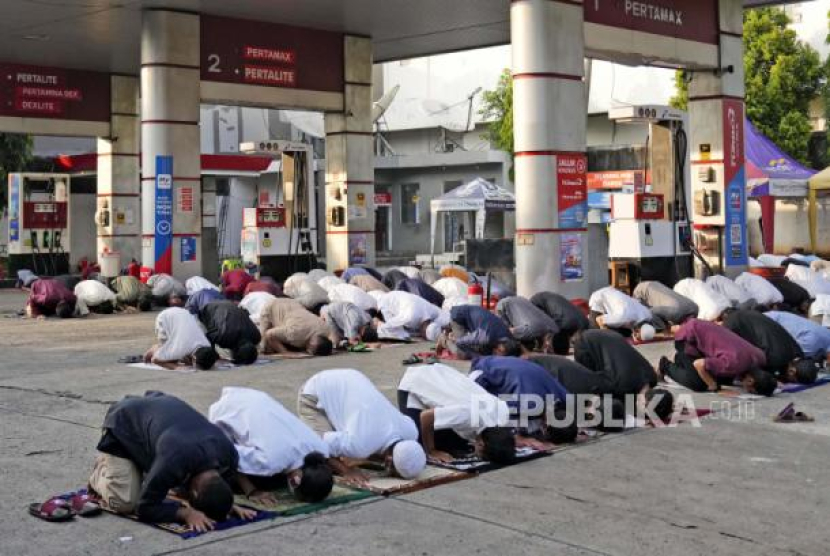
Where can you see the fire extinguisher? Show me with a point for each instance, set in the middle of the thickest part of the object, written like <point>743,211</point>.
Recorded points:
<point>475,294</point>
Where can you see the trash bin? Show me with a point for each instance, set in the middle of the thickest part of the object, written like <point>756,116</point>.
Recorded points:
<point>110,264</point>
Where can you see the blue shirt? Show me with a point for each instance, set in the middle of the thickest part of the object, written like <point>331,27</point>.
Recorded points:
<point>197,301</point>
<point>481,325</point>
<point>351,272</point>
<point>514,376</point>
<point>813,338</point>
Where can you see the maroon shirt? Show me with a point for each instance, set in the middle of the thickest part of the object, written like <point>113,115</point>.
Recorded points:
<point>46,293</point>
<point>235,281</point>
<point>263,286</point>
<point>726,354</point>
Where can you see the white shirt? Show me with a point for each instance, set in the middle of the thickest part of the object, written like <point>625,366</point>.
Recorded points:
<point>305,290</point>
<point>771,260</point>
<point>620,310</point>
<point>450,302</point>
<point>197,283</point>
<point>164,285</point>
<point>459,403</point>
<point>451,287</point>
<point>91,293</point>
<point>729,289</point>
<point>810,280</point>
<point>763,292</point>
<point>328,282</point>
<point>179,334</point>
<point>821,308</point>
<point>364,421</point>
<point>269,438</point>
<point>317,274</point>
<point>254,302</point>
<point>353,295</point>
<point>710,303</point>
<point>404,312</point>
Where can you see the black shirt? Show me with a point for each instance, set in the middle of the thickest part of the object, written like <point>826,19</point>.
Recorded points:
<point>608,353</point>
<point>228,325</point>
<point>169,442</point>
<point>767,335</point>
<point>391,278</point>
<point>794,295</point>
<point>526,320</point>
<point>574,377</point>
<point>562,311</point>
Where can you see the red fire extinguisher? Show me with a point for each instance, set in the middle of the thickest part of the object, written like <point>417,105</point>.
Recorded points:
<point>475,294</point>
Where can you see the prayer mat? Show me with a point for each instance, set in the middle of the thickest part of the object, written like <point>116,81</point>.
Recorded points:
<point>184,531</point>
<point>794,387</point>
<point>287,505</point>
<point>475,464</point>
<point>381,483</point>
<point>221,365</point>
<point>656,340</point>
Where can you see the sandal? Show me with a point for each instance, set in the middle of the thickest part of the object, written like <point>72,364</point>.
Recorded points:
<point>413,360</point>
<point>789,415</point>
<point>358,348</point>
<point>54,510</point>
<point>131,359</point>
<point>85,504</point>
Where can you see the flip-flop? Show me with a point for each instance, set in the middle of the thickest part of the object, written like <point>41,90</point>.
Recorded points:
<point>131,359</point>
<point>358,348</point>
<point>54,510</point>
<point>413,360</point>
<point>794,417</point>
<point>85,505</point>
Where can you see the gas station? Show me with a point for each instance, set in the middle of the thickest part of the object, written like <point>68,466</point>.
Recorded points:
<point>135,74</point>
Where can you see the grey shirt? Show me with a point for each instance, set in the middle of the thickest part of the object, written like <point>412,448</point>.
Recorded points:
<point>664,302</point>
<point>526,321</point>
<point>344,318</point>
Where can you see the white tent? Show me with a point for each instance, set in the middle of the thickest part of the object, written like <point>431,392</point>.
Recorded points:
<point>478,196</point>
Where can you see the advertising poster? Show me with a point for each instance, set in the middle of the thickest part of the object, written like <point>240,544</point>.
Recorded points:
<point>357,249</point>
<point>572,194</point>
<point>185,199</point>
<point>570,257</point>
<point>188,250</point>
<point>14,207</point>
<point>734,163</point>
<point>164,214</point>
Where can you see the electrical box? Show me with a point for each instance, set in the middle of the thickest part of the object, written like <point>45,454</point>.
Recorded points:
<point>39,223</point>
<point>637,206</point>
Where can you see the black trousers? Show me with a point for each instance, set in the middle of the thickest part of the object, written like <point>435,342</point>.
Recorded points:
<point>445,440</point>
<point>683,370</point>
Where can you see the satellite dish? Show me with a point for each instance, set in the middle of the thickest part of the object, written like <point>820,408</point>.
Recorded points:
<point>382,104</point>
<point>432,107</point>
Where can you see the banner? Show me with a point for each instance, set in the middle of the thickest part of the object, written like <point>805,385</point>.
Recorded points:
<point>570,258</point>
<point>164,215</point>
<point>734,180</point>
<point>571,191</point>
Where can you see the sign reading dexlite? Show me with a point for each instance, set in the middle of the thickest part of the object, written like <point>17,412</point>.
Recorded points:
<point>55,93</point>
<point>267,54</point>
<point>694,20</point>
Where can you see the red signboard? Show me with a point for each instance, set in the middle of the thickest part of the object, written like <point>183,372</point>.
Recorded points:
<point>258,53</point>
<point>383,199</point>
<point>616,179</point>
<point>572,196</point>
<point>733,138</point>
<point>693,20</point>
<point>55,93</point>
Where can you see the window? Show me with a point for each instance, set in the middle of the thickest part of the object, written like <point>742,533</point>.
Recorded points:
<point>410,213</point>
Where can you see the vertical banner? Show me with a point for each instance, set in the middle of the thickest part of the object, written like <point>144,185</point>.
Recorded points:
<point>571,190</point>
<point>358,249</point>
<point>164,214</point>
<point>14,208</point>
<point>570,257</point>
<point>734,183</point>
<point>187,250</point>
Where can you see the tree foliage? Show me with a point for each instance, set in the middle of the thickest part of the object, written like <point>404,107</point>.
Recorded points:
<point>782,76</point>
<point>497,108</point>
<point>15,155</point>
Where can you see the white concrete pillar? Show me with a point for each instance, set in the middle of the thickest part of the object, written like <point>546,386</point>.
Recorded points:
<point>118,216</point>
<point>170,127</point>
<point>716,121</point>
<point>550,113</point>
<point>350,164</point>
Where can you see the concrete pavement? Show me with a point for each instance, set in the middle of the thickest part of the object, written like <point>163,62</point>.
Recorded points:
<point>733,486</point>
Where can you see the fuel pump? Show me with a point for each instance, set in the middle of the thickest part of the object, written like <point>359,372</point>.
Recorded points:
<point>39,223</point>
<point>650,224</point>
<point>279,234</point>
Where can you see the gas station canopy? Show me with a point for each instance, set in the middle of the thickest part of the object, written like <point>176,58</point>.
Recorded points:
<point>104,35</point>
